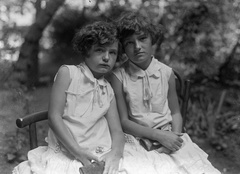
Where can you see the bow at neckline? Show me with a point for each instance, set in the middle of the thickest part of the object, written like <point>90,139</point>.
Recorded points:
<point>97,84</point>
<point>137,73</point>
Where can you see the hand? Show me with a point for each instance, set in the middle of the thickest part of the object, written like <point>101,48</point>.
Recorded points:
<point>112,160</point>
<point>164,150</point>
<point>171,140</point>
<point>86,157</point>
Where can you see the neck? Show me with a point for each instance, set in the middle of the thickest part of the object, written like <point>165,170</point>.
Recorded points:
<point>143,65</point>
<point>96,75</point>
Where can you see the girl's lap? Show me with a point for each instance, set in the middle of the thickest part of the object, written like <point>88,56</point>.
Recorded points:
<point>135,159</point>
<point>43,160</point>
<point>189,159</point>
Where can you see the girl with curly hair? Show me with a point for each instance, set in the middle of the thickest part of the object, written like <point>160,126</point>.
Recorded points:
<point>83,119</point>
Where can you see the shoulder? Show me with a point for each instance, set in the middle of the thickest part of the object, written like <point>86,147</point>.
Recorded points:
<point>119,73</point>
<point>63,71</point>
<point>120,69</point>
<point>62,77</point>
<point>66,72</point>
<point>67,68</point>
<point>163,65</point>
<point>71,69</point>
<point>165,69</point>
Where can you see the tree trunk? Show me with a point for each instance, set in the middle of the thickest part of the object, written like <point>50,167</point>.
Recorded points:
<point>224,68</point>
<point>38,7</point>
<point>27,63</point>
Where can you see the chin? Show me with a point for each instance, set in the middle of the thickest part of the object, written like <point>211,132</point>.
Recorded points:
<point>104,71</point>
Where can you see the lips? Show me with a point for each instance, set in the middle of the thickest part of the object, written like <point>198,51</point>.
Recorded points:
<point>139,53</point>
<point>104,65</point>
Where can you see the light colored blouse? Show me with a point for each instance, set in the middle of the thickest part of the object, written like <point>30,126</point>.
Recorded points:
<point>87,102</point>
<point>146,93</point>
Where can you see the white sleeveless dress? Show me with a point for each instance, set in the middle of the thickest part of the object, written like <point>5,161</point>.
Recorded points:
<point>88,100</point>
<point>146,96</point>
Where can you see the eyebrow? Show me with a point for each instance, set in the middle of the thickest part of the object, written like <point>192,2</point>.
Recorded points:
<point>98,46</point>
<point>104,47</point>
<point>142,34</point>
<point>114,49</point>
<point>126,39</point>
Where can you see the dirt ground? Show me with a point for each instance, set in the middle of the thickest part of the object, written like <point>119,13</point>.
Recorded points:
<point>14,142</point>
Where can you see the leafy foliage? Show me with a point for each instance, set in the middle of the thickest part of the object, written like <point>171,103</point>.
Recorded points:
<point>201,41</point>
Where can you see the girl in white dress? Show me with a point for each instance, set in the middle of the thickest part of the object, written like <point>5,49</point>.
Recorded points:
<point>83,118</point>
<point>147,102</point>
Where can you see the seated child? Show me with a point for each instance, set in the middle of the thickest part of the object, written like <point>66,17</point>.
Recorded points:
<point>148,105</point>
<point>82,115</point>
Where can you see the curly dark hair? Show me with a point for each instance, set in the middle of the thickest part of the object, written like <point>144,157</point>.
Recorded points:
<point>98,33</point>
<point>134,22</point>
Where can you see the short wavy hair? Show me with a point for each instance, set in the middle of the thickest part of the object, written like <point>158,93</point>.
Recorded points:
<point>98,33</point>
<point>134,22</point>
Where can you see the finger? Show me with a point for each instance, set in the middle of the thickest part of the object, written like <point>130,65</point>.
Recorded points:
<point>178,133</point>
<point>178,144</point>
<point>176,148</point>
<point>106,169</point>
<point>111,171</point>
<point>159,150</point>
<point>180,140</point>
<point>86,162</point>
<point>167,151</point>
<point>94,158</point>
<point>114,171</point>
<point>172,148</point>
<point>164,150</point>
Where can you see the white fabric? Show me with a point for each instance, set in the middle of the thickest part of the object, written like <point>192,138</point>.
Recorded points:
<point>84,111</point>
<point>54,159</point>
<point>152,85</point>
<point>88,100</point>
<point>146,93</point>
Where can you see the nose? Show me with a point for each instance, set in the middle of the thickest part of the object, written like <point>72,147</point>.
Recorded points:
<point>137,45</point>
<point>106,56</point>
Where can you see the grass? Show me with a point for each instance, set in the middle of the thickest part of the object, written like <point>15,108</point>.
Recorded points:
<point>14,143</point>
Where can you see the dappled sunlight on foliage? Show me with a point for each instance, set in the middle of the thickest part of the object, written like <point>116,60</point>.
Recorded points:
<point>213,115</point>
<point>201,41</point>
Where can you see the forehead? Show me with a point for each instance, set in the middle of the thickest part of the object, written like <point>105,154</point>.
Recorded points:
<point>113,45</point>
<point>136,35</point>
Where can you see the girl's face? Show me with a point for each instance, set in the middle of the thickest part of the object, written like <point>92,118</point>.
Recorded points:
<point>138,48</point>
<point>101,59</point>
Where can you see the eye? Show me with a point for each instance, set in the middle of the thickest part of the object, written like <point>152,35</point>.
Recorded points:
<point>128,43</point>
<point>142,38</point>
<point>113,52</point>
<point>100,50</point>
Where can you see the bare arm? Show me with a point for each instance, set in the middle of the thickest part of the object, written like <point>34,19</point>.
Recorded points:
<point>55,112</point>
<point>128,125</point>
<point>168,139</point>
<point>112,117</point>
<point>174,105</point>
<point>112,158</point>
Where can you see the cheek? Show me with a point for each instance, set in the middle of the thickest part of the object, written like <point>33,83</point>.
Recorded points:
<point>113,59</point>
<point>128,53</point>
<point>149,47</point>
<point>128,50</point>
